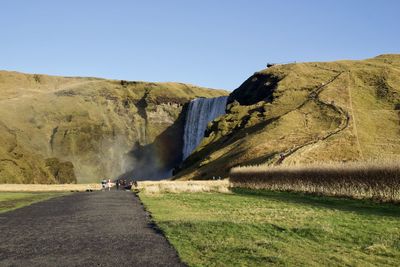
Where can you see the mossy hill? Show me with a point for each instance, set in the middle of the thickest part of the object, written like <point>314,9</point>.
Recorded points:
<point>67,129</point>
<point>305,112</point>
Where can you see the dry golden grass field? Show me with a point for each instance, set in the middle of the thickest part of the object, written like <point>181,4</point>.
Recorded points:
<point>379,181</point>
<point>157,187</point>
<point>47,187</point>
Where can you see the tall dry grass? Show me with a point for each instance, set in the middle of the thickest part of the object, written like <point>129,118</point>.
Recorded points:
<point>380,181</point>
<point>156,187</point>
<point>47,187</point>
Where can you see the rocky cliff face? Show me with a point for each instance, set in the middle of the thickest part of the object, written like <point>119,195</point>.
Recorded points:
<point>97,128</point>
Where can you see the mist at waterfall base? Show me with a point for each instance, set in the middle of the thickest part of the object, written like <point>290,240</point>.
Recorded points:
<point>147,162</point>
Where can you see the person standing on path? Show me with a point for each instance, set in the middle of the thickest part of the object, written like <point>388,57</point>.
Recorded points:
<point>109,184</point>
<point>103,185</point>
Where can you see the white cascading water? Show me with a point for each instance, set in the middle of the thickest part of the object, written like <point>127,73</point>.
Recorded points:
<point>200,112</point>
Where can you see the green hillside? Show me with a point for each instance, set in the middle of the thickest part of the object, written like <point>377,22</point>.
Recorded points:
<point>305,112</point>
<point>67,129</point>
<point>63,129</point>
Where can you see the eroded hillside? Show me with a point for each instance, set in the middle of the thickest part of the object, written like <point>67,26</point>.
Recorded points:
<point>58,129</point>
<point>305,112</point>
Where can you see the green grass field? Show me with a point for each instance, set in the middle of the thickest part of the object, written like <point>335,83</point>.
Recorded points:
<point>11,200</point>
<point>259,228</point>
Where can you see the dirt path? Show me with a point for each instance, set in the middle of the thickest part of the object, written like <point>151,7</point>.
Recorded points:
<point>354,122</point>
<point>83,229</point>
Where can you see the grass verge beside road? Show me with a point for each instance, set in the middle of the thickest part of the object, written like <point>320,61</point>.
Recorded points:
<point>253,228</point>
<point>12,200</point>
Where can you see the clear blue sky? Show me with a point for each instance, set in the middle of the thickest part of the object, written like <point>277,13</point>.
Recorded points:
<point>213,43</point>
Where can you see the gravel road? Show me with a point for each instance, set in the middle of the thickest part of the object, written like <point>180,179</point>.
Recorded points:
<point>83,229</point>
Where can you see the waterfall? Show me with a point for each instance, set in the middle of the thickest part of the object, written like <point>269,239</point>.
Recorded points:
<point>200,112</point>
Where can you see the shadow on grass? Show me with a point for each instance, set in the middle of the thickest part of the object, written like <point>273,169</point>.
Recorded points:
<point>364,207</point>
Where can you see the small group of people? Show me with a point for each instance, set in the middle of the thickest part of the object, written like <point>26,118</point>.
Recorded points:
<point>119,184</point>
<point>106,184</point>
<point>127,185</point>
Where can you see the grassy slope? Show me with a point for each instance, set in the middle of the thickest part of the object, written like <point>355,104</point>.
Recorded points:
<point>367,91</point>
<point>12,200</point>
<point>91,122</point>
<point>253,228</point>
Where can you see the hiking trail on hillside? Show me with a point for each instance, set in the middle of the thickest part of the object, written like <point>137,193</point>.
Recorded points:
<point>314,96</point>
